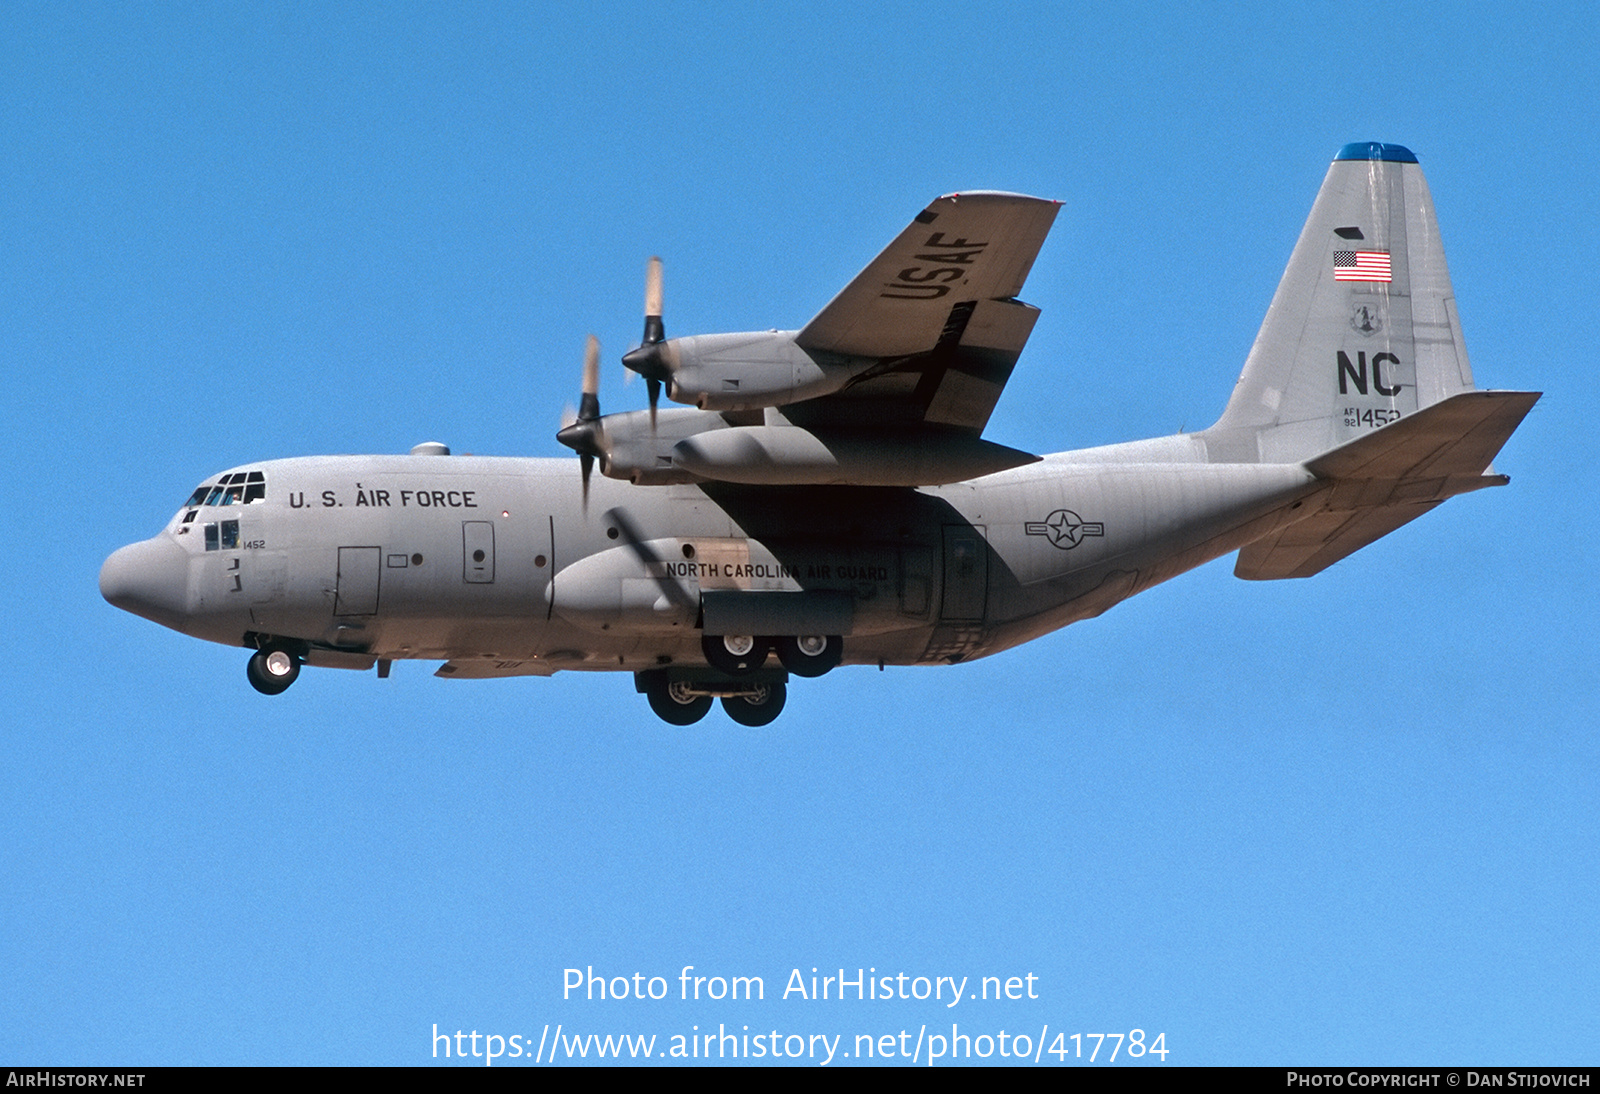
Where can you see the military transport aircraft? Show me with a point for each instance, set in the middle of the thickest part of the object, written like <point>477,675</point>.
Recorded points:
<point>827,497</point>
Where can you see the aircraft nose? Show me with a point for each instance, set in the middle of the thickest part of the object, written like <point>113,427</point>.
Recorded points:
<point>149,579</point>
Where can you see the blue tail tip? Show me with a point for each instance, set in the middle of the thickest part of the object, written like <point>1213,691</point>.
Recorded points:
<point>1372,150</point>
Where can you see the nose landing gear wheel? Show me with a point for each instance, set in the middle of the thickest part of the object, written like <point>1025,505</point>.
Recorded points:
<point>272,670</point>
<point>676,705</point>
<point>758,708</point>
<point>811,654</point>
<point>735,654</point>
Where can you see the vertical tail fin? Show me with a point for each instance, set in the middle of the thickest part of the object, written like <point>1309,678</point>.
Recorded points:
<point>1362,330</point>
<point>1359,372</point>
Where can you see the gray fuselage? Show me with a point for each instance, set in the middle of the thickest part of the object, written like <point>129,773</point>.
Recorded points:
<point>501,561</point>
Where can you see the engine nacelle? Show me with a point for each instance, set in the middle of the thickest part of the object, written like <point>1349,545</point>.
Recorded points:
<point>752,370</point>
<point>781,454</point>
<point>637,450</point>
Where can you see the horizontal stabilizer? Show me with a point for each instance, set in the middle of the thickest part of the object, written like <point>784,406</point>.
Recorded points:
<point>1310,546</point>
<point>1390,477</point>
<point>1458,436</point>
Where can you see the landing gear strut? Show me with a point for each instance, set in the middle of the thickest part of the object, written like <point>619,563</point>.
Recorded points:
<point>805,655</point>
<point>272,670</point>
<point>682,697</point>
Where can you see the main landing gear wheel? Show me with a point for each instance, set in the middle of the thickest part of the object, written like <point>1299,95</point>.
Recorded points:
<point>676,705</point>
<point>811,654</point>
<point>272,670</point>
<point>735,654</point>
<point>760,707</point>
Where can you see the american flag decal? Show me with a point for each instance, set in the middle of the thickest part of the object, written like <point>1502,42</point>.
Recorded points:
<point>1361,266</point>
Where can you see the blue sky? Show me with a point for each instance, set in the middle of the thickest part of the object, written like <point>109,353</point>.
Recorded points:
<point>1346,820</point>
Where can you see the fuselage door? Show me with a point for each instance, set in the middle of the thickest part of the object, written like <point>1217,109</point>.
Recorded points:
<point>966,574</point>
<point>477,546</point>
<point>357,591</point>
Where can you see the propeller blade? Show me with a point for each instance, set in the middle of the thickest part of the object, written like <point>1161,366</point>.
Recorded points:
<point>647,359</point>
<point>584,432</point>
<point>654,331</point>
<point>589,405</point>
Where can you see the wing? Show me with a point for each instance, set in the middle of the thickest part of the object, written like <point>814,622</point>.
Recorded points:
<point>938,308</point>
<point>891,384</point>
<point>961,249</point>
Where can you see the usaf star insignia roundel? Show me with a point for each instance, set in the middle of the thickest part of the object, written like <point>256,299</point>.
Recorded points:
<point>1065,528</point>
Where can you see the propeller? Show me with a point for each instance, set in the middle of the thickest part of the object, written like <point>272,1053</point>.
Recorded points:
<point>584,433</point>
<point>649,360</point>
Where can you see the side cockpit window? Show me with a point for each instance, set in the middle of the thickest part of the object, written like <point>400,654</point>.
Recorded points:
<point>224,535</point>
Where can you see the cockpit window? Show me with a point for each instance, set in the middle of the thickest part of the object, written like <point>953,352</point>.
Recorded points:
<point>237,488</point>
<point>227,540</point>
